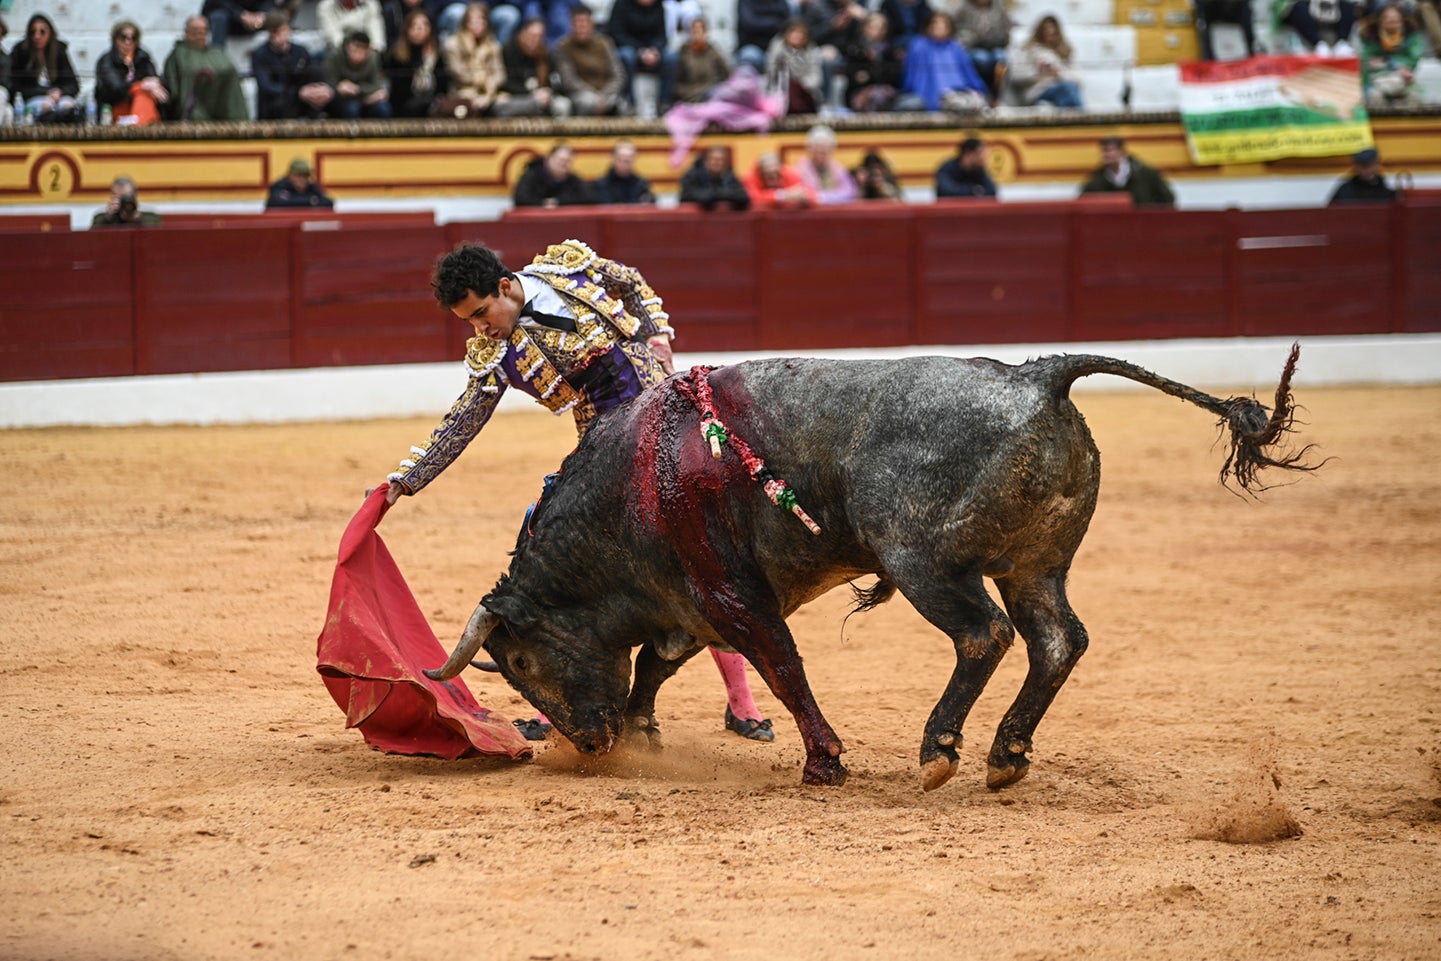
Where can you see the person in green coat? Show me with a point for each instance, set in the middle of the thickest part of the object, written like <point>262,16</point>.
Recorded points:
<point>1121,172</point>
<point>1390,48</point>
<point>203,81</point>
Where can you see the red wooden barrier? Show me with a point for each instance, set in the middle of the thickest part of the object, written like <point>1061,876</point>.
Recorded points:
<point>1139,274</point>
<point>989,273</point>
<point>34,223</point>
<point>212,299</point>
<point>68,306</point>
<point>266,292</point>
<point>835,277</point>
<point>362,296</point>
<point>1313,271</point>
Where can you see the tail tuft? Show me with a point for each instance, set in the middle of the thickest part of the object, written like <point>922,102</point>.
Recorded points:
<point>1253,430</point>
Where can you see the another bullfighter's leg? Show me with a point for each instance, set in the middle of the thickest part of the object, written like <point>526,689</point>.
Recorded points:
<point>981,633</point>
<point>1055,640</point>
<point>651,671</point>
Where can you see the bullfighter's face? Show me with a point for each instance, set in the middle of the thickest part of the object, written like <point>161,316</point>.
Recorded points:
<point>493,316</point>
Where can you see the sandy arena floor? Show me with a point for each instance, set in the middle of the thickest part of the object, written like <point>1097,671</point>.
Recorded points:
<point>176,784</point>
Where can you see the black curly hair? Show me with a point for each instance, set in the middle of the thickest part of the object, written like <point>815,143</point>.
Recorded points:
<point>468,267</point>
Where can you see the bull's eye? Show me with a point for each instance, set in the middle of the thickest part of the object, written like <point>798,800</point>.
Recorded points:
<point>520,664</point>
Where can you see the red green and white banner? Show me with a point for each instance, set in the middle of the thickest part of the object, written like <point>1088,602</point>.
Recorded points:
<point>1266,108</point>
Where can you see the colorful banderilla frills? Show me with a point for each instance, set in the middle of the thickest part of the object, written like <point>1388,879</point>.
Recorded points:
<point>713,429</point>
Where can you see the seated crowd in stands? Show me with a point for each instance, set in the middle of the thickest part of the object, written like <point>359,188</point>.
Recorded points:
<point>377,59</point>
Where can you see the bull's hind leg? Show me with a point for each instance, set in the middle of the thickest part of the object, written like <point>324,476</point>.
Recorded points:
<point>981,633</point>
<point>1055,640</point>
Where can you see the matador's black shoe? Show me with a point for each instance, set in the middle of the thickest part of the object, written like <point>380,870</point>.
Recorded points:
<point>533,730</point>
<point>749,728</point>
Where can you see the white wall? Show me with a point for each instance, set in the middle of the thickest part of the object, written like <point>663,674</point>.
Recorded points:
<point>1243,364</point>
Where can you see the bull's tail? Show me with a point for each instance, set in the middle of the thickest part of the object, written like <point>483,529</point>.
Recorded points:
<point>1255,432</point>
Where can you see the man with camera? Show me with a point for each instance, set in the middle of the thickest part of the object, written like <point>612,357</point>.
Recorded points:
<point>123,208</point>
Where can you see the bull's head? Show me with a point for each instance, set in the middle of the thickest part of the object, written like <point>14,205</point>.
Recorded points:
<point>556,662</point>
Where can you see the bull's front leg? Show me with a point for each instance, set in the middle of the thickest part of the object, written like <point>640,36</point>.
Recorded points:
<point>651,671</point>
<point>766,642</point>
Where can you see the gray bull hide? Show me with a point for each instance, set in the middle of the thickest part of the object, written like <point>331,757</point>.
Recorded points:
<point>932,473</point>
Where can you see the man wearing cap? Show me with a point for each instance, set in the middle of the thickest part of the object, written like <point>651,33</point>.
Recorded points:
<point>582,335</point>
<point>1365,185</point>
<point>297,189</point>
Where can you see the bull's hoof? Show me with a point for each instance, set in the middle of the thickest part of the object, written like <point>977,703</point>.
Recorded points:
<point>1015,767</point>
<point>937,771</point>
<point>643,732</point>
<point>750,728</point>
<point>824,771</point>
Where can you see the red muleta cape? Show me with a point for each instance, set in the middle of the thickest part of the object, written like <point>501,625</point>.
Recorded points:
<point>373,648</point>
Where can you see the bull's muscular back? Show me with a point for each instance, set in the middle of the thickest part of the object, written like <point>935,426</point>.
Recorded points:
<point>966,460</point>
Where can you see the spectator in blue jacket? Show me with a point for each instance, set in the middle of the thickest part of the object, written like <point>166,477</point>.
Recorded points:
<point>939,73</point>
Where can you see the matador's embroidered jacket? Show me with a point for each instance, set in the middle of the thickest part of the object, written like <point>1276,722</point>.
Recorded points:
<point>604,362</point>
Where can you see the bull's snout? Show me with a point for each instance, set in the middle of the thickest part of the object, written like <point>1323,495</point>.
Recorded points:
<point>597,742</point>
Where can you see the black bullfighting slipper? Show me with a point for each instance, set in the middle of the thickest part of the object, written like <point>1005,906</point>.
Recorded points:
<point>532,730</point>
<point>750,727</point>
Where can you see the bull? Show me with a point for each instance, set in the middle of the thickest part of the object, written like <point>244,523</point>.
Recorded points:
<point>931,473</point>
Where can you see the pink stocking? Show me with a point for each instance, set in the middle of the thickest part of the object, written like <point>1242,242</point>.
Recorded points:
<point>738,687</point>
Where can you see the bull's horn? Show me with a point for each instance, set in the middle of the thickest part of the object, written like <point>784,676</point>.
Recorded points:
<point>489,667</point>
<point>482,622</point>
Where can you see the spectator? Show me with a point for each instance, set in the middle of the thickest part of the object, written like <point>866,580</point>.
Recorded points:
<point>965,174</point>
<point>549,182</point>
<point>590,70</point>
<point>127,80</point>
<point>700,66</point>
<point>473,61</point>
<point>416,71</point>
<point>772,186</point>
<point>1310,17</point>
<point>358,81</point>
<point>1122,173</point>
<point>42,74</point>
<point>1239,12</point>
<point>526,91</point>
<point>288,84</point>
<point>297,189</point>
<point>1391,47</point>
<point>242,18</point>
<point>712,182</point>
<point>984,29</point>
<point>7,113</point>
<point>822,172</point>
<point>907,18</point>
<point>621,184</point>
<point>875,180</point>
<point>939,74</point>
<point>203,81</point>
<point>1042,71</point>
<point>793,68</point>
<point>394,12</point>
<point>758,22</point>
<point>1366,185</point>
<point>638,28</point>
<point>873,68</point>
<point>338,19</point>
<point>123,208</point>
<point>835,26</point>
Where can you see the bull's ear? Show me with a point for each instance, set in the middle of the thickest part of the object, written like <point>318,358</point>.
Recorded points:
<point>676,645</point>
